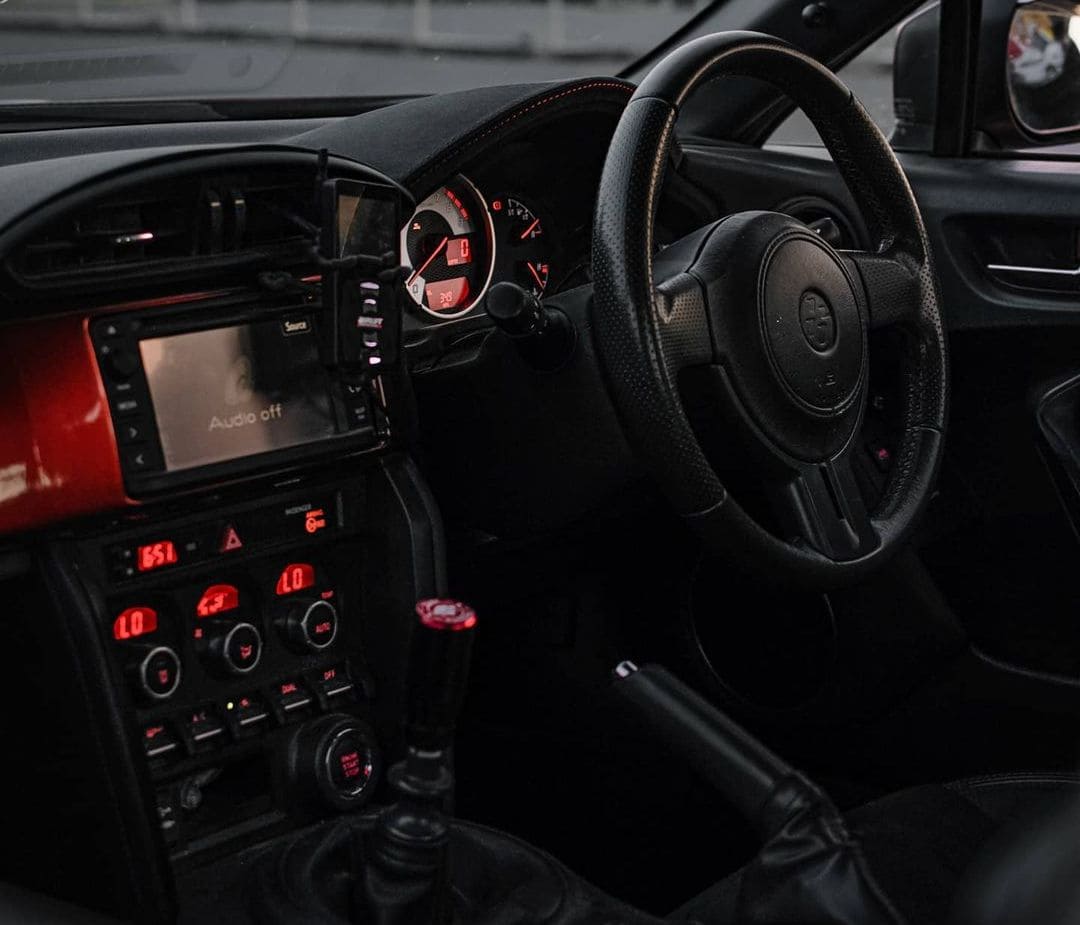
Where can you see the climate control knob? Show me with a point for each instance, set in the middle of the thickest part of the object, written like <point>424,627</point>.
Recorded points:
<point>308,624</point>
<point>235,651</point>
<point>157,673</point>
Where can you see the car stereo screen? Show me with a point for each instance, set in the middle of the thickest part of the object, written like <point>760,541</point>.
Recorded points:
<point>237,391</point>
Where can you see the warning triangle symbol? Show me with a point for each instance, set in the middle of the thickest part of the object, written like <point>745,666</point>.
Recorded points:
<point>230,539</point>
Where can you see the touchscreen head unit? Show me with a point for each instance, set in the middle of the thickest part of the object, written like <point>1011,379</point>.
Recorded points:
<point>297,363</point>
<point>237,391</point>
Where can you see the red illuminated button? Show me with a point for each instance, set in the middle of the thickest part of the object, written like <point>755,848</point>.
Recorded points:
<point>159,741</point>
<point>241,648</point>
<point>292,696</point>
<point>349,763</point>
<point>159,673</point>
<point>230,539</point>
<point>335,681</point>
<point>204,726</point>
<point>249,711</point>
<point>320,624</point>
<point>308,625</point>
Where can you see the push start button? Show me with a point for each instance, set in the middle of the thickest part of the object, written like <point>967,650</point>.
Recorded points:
<point>336,762</point>
<point>349,763</point>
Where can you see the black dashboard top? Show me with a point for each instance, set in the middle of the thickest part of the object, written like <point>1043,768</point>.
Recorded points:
<point>418,142</point>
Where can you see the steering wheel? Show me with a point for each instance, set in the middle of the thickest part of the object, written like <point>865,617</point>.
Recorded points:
<point>768,320</point>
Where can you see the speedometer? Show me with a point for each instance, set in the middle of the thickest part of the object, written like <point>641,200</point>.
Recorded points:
<point>448,248</point>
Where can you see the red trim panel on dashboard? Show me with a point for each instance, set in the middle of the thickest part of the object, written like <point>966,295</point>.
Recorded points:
<point>58,456</point>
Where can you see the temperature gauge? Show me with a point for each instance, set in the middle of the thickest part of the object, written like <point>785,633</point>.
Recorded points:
<point>521,244</point>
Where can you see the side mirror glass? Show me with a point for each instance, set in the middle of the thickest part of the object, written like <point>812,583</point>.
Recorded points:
<point>1044,66</point>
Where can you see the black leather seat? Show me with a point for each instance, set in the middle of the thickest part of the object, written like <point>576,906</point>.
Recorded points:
<point>922,844</point>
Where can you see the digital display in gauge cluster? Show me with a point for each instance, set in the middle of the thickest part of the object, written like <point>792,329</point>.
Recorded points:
<point>456,244</point>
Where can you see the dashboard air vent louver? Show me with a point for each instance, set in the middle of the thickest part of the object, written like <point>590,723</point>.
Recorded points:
<point>167,228</point>
<point>130,230</point>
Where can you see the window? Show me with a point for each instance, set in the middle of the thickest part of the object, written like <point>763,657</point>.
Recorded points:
<point>870,76</point>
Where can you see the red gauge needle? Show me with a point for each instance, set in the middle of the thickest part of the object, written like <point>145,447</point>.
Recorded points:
<point>435,253</point>
<point>536,275</point>
<point>526,232</point>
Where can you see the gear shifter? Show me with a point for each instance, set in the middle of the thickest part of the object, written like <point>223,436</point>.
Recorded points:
<point>396,867</point>
<point>405,856</point>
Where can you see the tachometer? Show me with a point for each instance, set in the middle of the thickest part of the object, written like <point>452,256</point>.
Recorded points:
<point>448,246</point>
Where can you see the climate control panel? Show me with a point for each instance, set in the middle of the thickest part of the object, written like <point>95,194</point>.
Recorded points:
<point>237,638</point>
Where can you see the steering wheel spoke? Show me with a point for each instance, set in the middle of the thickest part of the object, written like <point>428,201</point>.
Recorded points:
<point>822,505</point>
<point>682,324</point>
<point>890,285</point>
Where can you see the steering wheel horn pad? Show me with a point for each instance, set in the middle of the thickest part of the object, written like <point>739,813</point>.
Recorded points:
<point>783,321</point>
<point>798,361</point>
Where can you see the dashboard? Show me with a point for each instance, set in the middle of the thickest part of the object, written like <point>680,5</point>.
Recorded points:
<point>210,350</point>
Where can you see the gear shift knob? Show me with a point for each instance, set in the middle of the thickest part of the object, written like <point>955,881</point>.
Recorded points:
<point>438,672</point>
<point>406,869</point>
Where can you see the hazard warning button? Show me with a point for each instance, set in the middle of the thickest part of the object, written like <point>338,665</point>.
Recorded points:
<point>230,539</point>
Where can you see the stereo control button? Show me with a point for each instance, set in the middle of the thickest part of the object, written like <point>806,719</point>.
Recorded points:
<point>130,432</point>
<point>121,362</point>
<point>127,405</point>
<point>140,458</point>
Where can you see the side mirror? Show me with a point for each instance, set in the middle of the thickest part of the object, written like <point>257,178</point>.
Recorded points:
<point>1026,83</point>
<point>915,75</point>
<point>1043,68</point>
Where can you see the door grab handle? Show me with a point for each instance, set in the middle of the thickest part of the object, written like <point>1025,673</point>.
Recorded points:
<point>1055,271</point>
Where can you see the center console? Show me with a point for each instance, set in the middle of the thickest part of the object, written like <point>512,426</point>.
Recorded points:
<point>234,638</point>
<point>237,638</point>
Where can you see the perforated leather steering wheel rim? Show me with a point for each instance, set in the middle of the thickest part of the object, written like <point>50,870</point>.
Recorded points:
<point>645,337</point>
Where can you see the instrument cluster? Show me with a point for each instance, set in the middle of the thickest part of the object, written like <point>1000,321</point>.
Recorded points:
<point>460,240</point>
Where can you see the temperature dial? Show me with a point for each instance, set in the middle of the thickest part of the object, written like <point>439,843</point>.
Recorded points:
<point>157,673</point>
<point>308,624</point>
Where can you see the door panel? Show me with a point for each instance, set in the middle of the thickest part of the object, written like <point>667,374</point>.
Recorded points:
<point>1000,540</point>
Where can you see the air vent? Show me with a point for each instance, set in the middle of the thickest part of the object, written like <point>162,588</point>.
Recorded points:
<point>191,224</point>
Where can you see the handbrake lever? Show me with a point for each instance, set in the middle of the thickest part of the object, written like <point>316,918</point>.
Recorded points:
<point>809,868</point>
<point>721,751</point>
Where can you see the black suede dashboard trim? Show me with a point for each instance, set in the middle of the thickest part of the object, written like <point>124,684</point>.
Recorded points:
<point>416,142</point>
<point>511,122</point>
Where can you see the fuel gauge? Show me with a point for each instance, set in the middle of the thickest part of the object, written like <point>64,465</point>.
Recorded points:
<point>522,247</point>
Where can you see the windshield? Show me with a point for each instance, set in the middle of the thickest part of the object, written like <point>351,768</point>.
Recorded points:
<point>72,50</point>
